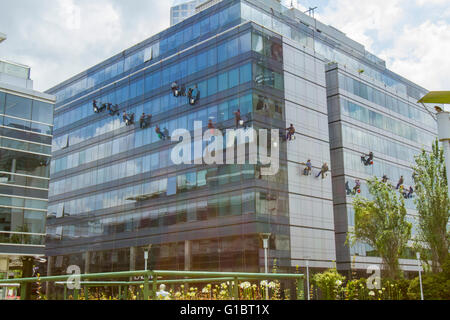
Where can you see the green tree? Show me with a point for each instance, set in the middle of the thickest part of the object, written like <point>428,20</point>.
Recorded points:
<point>382,224</point>
<point>433,207</point>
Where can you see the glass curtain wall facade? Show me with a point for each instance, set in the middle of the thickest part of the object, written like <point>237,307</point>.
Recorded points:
<point>183,9</point>
<point>366,117</point>
<point>26,128</point>
<point>114,190</point>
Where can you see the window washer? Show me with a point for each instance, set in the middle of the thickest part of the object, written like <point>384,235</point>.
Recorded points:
<point>308,168</point>
<point>347,188</point>
<point>143,121</point>
<point>400,183</point>
<point>113,109</point>
<point>95,107</point>
<point>183,91</point>
<point>265,104</point>
<point>403,191</point>
<point>410,192</point>
<point>357,187</point>
<point>291,132</point>
<point>166,134</point>
<point>195,94</point>
<point>323,171</point>
<point>128,119</point>
<point>211,126</point>
<point>189,95</point>
<point>175,90</point>
<point>237,117</point>
<point>159,133</point>
<point>367,159</point>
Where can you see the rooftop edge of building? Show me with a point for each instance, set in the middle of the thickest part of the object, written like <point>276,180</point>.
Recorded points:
<point>294,13</point>
<point>7,87</point>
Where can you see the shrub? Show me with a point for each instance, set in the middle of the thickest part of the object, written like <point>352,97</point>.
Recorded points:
<point>436,286</point>
<point>330,284</point>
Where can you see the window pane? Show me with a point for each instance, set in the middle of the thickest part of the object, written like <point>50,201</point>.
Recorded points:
<point>42,112</point>
<point>233,78</point>
<point>18,107</point>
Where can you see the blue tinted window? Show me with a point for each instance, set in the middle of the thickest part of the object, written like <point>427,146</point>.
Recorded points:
<point>163,45</point>
<point>222,52</point>
<point>192,65</point>
<point>156,80</point>
<point>245,43</point>
<point>204,25</point>
<point>165,76</point>
<point>179,39</point>
<point>212,57</point>
<point>234,12</point>
<point>223,17</point>
<point>202,61</point>
<point>232,48</point>
<point>183,69</point>
<point>245,104</point>
<point>245,73</point>
<point>212,86</point>
<point>223,81</point>
<point>187,34</point>
<point>18,107</point>
<point>196,30</point>
<point>233,78</point>
<point>148,83</point>
<point>214,21</point>
<point>202,87</point>
<point>42,112</point>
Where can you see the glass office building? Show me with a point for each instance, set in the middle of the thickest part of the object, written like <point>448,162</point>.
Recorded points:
<point>26,128</point>
<point>115,192</point>
<point>183,9</point>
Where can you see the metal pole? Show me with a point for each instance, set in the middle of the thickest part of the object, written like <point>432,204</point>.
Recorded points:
<point>266,265</point>
<point>146,259</point>
<point>420,276</point>
<point>307,279</point>
<point>443,124</point>
<point>146,287</point>
<point>446,145</point>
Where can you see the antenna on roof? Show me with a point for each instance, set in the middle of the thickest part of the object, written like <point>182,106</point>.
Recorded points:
<point>311,11</point>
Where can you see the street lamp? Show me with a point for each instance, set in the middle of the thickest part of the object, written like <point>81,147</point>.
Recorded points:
<point>420,275</point>
<point>443,122</point>
<point>145,258</point>
<point>307,277</point>
<point>265,237</point>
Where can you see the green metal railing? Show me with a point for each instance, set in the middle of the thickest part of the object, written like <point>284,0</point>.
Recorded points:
<point>152,279</point>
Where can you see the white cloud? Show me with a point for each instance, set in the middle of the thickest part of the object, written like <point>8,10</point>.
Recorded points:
<point>415,49</point>
<point>431,2</point>
<point>59,39</point>
<point>356,19</point>
<point>420,53</point>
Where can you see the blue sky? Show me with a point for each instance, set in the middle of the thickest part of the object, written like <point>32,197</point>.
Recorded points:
<point>60,38</point>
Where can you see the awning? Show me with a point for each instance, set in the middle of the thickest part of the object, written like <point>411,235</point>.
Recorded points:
<point>440,97</point>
